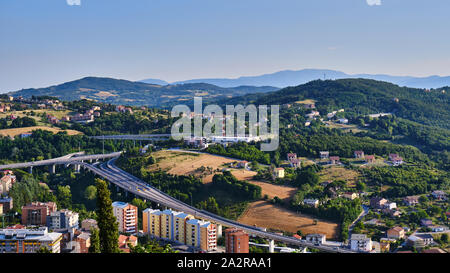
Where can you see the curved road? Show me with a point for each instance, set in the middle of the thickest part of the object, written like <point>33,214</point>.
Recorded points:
<point>138,187</point>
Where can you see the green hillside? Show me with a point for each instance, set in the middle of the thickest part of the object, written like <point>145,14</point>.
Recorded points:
<point>115,91</point>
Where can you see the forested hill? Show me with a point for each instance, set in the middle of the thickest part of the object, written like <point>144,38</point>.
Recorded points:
<point>116,91</point>
<point>363,97</point>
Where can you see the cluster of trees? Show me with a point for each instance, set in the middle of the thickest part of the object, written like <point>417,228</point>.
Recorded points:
<point>28,190</point>
<point>118,123</point>
<point>228,182</point>
<point>241,150</point>
<point>44,145</point>
<point>306,175</point>
<point>340,210</point>
<point>406,180</point>
<point>17,123</point>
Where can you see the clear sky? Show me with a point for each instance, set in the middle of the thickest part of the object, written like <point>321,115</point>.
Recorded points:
<point>46,42</point>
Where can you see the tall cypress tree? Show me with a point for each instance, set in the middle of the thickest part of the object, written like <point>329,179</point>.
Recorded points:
<point>109,231</point>
<point>95,241</point>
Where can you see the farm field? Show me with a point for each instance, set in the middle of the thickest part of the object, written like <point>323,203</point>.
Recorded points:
<point>266,215</point>
<point>183,163</point>
<point>17,131</point>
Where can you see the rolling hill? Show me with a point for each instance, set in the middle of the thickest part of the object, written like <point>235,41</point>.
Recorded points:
<point>362,96</point>
<point>116,91</point>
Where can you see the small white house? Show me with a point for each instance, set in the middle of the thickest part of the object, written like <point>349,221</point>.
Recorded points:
<point>311,202</point>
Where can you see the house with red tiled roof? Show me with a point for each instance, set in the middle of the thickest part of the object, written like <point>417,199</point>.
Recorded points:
<point>370,158</point>
<point>396,233</point>
<point>125,240</point>
<point>334,160</point>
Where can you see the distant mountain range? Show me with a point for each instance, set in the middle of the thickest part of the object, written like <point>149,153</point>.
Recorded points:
<point>287,78</point>
<point>116,91</point>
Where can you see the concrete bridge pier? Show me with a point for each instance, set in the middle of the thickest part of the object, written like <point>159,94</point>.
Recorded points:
<point>219,230</point>
<point>271,246</point>
<point>52,169</point>
<point>30,169</point>
<point>76,167</point>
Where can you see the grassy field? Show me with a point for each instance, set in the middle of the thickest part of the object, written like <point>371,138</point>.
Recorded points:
<point>264,214</point>
<point>59,114</point>
<point>17,131</point>
<point>182,163</point>
<point>332,173</point>
<point>344,127</point>
<point>305,101</point>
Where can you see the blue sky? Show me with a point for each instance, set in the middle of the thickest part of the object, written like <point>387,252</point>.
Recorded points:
<point>48,42</point>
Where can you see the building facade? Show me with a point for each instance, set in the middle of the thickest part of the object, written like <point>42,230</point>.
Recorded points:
<point>63,219</point>
<point>201,235</point>
<point>35,214</point>
<point>127,217</point>
<point>29,240</point>
<point>236,241</point>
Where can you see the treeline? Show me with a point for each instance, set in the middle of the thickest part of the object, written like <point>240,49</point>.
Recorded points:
<point>17,123</point>
<point>339,210</point>
<point>119,123</point>
<point>44,145</point>
<point>243,189</point>
<point>28,190</point>
<point>406,180</point>
<point>241,150</point>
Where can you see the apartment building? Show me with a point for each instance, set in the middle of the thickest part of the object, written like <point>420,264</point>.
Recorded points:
<point>179,226</point>
<point>167,224</point>
<point>151,222</point>
<point>201,234</point>
<point>35,214</point>
<point>360,242</point>
<point>29,240</point>
<point>126,215</point>
<point>236,241</point>
<point>63,219</point>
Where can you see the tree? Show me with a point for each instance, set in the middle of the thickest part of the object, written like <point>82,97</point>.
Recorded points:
<point>444,238</point>
<point>107,223</point>
<point>95,241</point>
<point>90,192</point>
<point>64,197</point>
<point>43,249</point>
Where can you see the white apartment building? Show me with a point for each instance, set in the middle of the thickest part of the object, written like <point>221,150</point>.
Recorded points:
<point>360,242</point>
